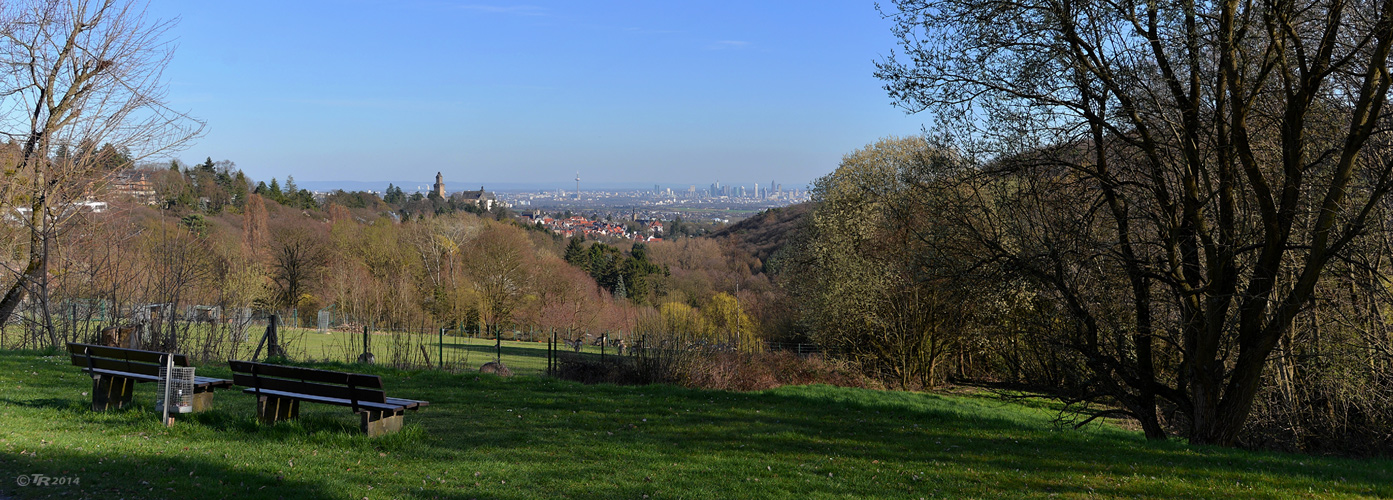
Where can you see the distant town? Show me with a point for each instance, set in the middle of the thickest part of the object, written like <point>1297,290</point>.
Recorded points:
<point>613,213</point>
<point>624,213</point>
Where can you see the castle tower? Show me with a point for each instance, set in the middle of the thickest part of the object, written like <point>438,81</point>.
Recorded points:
<point>439,185</point>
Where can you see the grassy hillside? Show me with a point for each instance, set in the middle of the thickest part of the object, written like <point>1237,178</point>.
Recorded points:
<point>528,437</point>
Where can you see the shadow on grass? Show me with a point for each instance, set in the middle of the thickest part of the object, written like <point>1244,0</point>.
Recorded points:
<point>823,430</point>
<point>82,474</point>
<point>50,403</point>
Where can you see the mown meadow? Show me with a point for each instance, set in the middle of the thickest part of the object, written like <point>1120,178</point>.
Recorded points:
<point>535,437</point>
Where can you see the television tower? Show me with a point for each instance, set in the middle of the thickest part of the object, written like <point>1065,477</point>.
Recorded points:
<point>577,184</point>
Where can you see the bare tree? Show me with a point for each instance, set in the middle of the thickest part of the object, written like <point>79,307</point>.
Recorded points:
<point>298,258</point>
<point>497,263</point>
<point>74,76</point>
<point>1179,175</point>
<point>179,263</point>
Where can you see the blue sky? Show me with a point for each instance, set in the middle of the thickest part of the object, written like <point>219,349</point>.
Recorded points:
<point>640,92</point>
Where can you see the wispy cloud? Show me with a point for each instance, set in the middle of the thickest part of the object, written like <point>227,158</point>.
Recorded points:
<point>728,45</point>
<point>516,10</point>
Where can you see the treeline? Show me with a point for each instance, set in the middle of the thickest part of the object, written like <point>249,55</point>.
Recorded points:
<point>364,263</point>
<point>214,187</point>
<point>926,267</point>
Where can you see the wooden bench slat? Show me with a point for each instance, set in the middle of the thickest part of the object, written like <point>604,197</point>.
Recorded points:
<point>368,405</point>
<point>211,382</point>
<point>409,404</point>
<point>307,374</point>
<point>198,382</point>
<point>309,388</point>
<point>134,355</point>
<point>118,373</point>
<point>122,365</point>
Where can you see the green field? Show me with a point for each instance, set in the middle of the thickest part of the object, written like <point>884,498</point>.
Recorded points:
<point>461,353</point>
<point>532,437</point>
<point>390,348</point>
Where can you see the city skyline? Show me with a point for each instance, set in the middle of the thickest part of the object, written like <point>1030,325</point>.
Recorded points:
<point>454,185</point>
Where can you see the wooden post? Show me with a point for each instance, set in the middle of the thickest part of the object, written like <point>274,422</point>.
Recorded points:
<point>366,357</point>
<point>425,354</point>
<point>440,356</point>
<point>273,343</point>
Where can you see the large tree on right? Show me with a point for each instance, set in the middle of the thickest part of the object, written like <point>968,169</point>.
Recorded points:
<point>1181,175</point>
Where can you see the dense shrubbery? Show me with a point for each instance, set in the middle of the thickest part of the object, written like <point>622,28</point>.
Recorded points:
<point>715,369</point>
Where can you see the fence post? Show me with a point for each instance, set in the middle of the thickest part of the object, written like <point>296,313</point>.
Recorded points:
<point>440,357</point>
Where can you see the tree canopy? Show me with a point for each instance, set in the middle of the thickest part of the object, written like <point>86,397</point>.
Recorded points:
<point>1181,178</point>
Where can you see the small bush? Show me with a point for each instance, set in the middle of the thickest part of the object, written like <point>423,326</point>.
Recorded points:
<point>736,371</point>
<point>614,371</point>
<point>720,370</point>
<point>496,368</point>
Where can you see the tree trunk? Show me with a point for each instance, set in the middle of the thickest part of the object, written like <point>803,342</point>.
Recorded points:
<point>18,291</point>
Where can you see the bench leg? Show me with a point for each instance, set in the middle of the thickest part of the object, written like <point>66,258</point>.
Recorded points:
<point>270,410</point>
<point>202,401</point>
<point>110,392</point>
<point>377,423</point>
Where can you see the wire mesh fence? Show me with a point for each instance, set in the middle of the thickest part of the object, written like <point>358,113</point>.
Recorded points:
<point>213,333</point>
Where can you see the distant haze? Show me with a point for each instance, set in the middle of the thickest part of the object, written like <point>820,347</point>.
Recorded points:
<point>410,186</point>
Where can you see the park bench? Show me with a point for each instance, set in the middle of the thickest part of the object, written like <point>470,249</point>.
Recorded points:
<point>280,389</point>
<point>116,370</point>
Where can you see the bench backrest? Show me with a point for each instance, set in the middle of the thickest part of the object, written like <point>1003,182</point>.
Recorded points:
<point>121,359</point>
<point>355,387</point>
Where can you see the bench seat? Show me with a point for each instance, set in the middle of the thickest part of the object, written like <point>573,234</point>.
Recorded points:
<point>200,384</point>
<point>391,405</point>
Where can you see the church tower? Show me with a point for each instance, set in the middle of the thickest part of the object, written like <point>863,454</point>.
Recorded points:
<point>439,185</point>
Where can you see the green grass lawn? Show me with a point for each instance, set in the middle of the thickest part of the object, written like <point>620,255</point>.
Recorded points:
<point>531,437</point>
